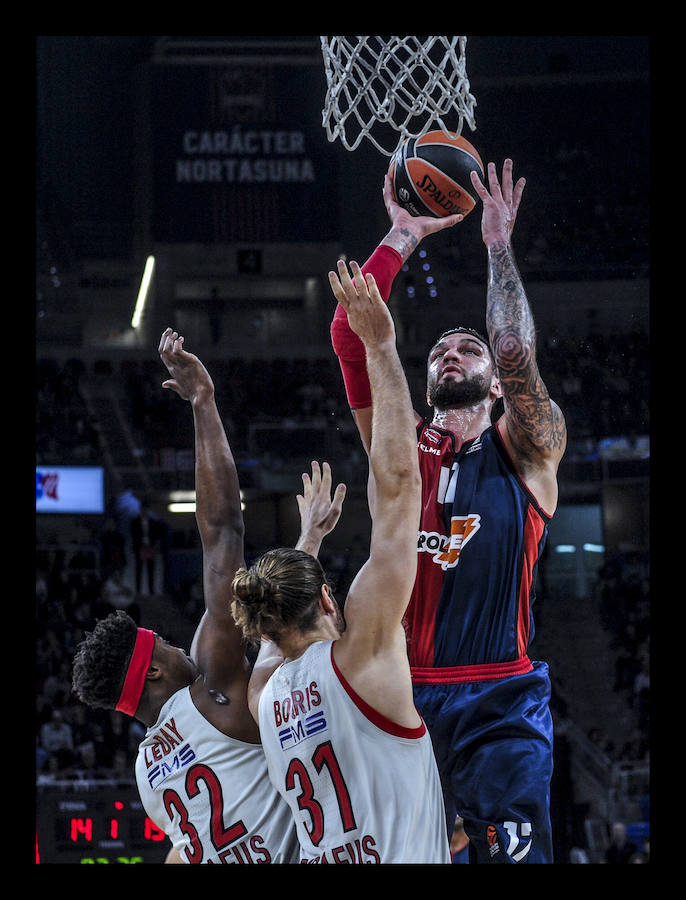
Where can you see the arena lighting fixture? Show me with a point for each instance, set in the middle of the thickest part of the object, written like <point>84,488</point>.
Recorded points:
<point>181,508</point>
<point>184,502</point>
<point>181,502</point>
<point>143,291</point>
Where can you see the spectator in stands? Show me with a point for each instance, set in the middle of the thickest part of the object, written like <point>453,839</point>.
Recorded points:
<point>621,849</point>
<point>636,748</point>
<point>146,534</point>
<point>642,855</point>
<point>57,740</point>
<point>43,709</point>
<point>57,686</point>
<point>116,594</point>
<point>86,760</point>
<point>82,727</point>
<point>41,757</point>
<point>112,548</point>
<point>121,768</point>
<point>641,694</point>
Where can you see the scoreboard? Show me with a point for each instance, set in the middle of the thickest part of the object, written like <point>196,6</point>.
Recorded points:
<point>98,826</point>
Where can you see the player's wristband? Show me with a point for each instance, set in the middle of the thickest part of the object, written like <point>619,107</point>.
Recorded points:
<point>384,264</point>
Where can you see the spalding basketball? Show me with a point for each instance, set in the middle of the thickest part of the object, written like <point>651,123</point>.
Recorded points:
<point>430,175</point>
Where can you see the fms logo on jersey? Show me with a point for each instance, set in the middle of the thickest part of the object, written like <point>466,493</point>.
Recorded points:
<point>159,773</point>
<point>446,550</point>
<point>302,729</point>
<point>294,711</point>
<point>162,758</point>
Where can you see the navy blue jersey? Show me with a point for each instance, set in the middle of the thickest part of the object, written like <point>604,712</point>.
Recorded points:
<point>469,626</point>
<point>481,536</point>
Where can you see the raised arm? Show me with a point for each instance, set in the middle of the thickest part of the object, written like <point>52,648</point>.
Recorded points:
<point>319,515</point>
<point>218,645</point>
<point>381,590</point>
<point>403,238</point>
<point>533,425</point>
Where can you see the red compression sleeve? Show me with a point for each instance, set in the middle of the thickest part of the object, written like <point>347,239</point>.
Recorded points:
<point>384,264</point>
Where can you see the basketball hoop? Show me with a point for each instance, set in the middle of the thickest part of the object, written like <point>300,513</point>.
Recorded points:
<point>407,83</point>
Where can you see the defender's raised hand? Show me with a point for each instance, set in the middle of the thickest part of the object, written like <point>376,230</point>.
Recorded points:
<point>368,315</point>
<point>319,513</point>
<point>189,377</point>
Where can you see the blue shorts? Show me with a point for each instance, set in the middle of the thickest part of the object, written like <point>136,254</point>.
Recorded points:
<point>493,742</point>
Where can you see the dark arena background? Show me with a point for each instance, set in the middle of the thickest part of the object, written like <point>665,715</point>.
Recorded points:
<point>202,163</point>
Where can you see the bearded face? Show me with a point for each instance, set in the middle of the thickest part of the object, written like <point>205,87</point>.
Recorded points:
<point>451,394</point>
<point>459,372</point>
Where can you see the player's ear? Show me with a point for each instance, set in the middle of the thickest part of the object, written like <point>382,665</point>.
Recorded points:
<point>155,669</point>
<point>326,600</point>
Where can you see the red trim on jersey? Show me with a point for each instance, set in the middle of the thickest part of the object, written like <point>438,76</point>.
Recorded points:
<point>376,717</point>
<point>461,674</point>
<point>533,530</point>
<point>420,614</point>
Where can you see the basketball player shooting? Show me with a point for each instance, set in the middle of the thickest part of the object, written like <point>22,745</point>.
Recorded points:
<point>489,491</point>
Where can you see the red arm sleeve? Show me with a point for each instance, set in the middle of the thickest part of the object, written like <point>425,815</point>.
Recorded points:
<point>384,264</point>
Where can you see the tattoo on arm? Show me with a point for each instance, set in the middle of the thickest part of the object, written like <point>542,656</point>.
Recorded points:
<point>513,339</point>
<point>403,241</point>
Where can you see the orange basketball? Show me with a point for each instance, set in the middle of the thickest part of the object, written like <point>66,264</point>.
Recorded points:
<point>430,175</point>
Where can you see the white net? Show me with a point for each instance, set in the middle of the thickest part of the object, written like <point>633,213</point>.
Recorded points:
<point>402,86</point>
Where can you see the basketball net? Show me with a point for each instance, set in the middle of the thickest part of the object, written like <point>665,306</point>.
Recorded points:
<point>407,83</point>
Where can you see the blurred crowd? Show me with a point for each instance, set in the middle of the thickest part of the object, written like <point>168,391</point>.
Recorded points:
<point>74,588</point>
<point>601,382</point>
<point>623,592</point>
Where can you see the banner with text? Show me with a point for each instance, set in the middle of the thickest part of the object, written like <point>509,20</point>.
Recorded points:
<point>239,154</point>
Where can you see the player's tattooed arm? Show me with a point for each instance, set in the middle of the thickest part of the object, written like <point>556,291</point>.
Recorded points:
<point>536,423</point>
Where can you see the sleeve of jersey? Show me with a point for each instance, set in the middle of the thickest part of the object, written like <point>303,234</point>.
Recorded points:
<point>384,264</point>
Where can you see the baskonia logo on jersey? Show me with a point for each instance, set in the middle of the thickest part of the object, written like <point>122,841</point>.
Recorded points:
<point>446,549</point>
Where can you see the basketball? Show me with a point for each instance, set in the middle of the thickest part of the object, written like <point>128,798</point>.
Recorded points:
<point>430,175</point>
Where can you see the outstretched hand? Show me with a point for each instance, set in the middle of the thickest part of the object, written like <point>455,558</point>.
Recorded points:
<point>368,315</point>
<point>189,377</point>
<point>319,513</point>
<point>500,205</point>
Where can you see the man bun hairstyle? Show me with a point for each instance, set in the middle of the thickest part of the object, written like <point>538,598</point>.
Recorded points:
<point>281,590</point>
<point>102,659</point>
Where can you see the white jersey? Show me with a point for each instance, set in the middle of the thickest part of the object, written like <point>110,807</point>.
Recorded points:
<point>210,793</point>
<point>362,789</point>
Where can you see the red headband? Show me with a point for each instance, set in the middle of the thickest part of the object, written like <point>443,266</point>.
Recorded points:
<point>135,675</point>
